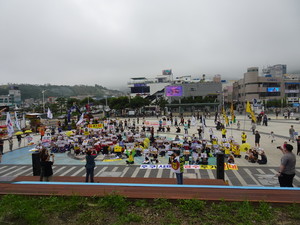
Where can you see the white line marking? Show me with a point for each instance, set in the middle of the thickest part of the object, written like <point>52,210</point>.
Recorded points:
<point>260,171</point>
<point>78,171</point>
<point>102,170</point>
<point>124,172</point>
<point>159,174</point>
<point>24,171</point>
<point>210,174</point>
<point>3,171</point>
<point>20,168</point>
<point>147,173</point>
<point>57,171</point>
<point>250,175</point>
<point>135,172</point>
<point>240,178</point>
<point>72,168</point>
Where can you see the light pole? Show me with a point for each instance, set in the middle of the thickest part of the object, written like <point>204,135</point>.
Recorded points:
<point>43,92</point>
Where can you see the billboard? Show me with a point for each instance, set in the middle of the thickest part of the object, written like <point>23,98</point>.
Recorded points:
<point>173,91</point>
<point>167,72</point>
<point>273,89</point>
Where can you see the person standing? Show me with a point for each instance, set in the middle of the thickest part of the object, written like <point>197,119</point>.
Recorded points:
<point>272,136</point>
<point>298,145</point>
<point>244,137</point>
<point>48,172</point>
<point>90,165</point>
<point>177,165</point>
<point>265,120</point>
<point>211,133</point>
<point>238,125</point>
<point>224,131</point>
<point>1,145</point>
<point>257,139</point>
<point>286,171</point>
<point>292,133</point>
<point>19,137</point>
<point>277,113</point>
<point>253,128</point>
<point>11,143</point>
<point>186,126</point>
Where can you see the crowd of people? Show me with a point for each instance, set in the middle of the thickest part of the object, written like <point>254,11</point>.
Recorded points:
<point>128,139</point>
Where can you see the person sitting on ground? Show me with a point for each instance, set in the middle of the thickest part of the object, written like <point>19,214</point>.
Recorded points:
<point>130,158</point>
<point>195,157</point>
<point>76,149</point>
<point>162,150</point>
<point>263,159</point>
<point>204,158</point>
<point>230,159</point>
<point>178,130</point>
<point>146,160</point>
<point>253,157</point>
<point>168,128</point>
<point>154,153</point>
<point>248,153</point>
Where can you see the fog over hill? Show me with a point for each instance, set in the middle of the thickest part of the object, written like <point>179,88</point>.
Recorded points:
<point>35,91</point>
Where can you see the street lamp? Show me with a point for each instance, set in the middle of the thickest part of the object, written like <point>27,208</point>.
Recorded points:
<point>43,92</point>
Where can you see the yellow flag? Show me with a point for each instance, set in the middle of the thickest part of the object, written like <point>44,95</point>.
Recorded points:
<point>223,111</point>
<point>253,117</point>
<point>248,107</point>
<point>232,112</point>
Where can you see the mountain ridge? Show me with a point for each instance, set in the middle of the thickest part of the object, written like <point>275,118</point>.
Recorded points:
<point>65,91</point>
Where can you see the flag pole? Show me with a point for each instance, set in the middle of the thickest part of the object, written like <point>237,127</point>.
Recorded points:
<point>245,117</point>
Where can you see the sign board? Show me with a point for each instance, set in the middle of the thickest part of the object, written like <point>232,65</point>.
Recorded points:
<point>95,126</point>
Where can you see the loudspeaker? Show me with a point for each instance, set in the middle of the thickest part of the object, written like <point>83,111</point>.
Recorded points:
<point>220,166</point>
<point>36,164</point>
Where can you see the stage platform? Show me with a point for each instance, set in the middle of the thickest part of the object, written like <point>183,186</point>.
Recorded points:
<point>148,188</point>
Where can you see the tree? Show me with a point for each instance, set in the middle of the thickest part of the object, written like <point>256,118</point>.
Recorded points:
<point>161,102</point>
<point>73,101</point>
<point>138,102</point>
<point>61,103</point>
<point>118,103</point>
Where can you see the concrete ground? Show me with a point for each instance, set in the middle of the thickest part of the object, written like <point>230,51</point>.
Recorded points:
<point>279,126</point>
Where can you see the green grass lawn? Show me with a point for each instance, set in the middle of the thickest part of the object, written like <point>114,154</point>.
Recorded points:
<point>115,209</point>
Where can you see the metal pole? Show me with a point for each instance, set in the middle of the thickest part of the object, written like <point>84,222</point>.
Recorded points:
<point>43,92</point>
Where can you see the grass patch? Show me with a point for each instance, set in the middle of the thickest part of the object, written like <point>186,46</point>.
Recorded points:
<point>116,209</point>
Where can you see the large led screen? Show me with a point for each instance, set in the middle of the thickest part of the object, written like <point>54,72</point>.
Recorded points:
<point>173,91</point>
<point>273,89</point>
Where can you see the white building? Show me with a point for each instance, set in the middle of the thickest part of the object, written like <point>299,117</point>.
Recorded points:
<point>13,98</point>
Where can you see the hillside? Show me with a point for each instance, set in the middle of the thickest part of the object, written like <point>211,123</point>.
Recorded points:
<point>35,91</point>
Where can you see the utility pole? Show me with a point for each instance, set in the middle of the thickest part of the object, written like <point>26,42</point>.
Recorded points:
<point>43,92</point>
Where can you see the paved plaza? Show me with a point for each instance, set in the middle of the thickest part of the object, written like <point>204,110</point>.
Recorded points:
<point>18,162</point>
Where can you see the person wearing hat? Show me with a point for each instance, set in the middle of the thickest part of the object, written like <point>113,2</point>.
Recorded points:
<point>286,171</point>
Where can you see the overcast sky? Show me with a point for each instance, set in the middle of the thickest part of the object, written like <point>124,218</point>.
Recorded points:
<point>91,42</point>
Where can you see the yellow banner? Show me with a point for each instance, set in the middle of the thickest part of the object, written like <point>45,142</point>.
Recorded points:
<point>117,148</point>
<point>96,126</point>
<point>232,166</point>
<point>208,167</point>
<point>111,160</point>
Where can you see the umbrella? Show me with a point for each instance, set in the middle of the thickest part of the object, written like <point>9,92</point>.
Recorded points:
<point>69,133</point>
<point>19,133</point>
<point>245,147</point>
<point>27,131</point>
